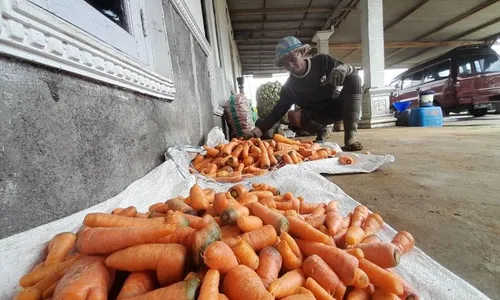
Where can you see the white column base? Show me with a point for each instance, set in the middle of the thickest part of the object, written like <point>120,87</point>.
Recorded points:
<point>375,109</point>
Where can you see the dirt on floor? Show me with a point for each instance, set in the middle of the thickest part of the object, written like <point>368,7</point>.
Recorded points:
<point>444,188</point>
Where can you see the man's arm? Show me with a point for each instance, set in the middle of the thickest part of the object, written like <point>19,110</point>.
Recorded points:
<point>279,110</point>
<point>337,70</point>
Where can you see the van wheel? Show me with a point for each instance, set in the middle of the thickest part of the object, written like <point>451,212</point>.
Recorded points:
<point>478,112</point>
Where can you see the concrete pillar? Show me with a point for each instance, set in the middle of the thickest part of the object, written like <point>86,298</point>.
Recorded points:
<point>375,110</point>
<point>322,40</point>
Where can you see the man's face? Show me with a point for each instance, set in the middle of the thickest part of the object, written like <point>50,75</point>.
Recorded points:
<point>296,65</point>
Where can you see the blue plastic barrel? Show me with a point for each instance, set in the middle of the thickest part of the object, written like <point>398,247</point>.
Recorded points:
<point>427,116</point>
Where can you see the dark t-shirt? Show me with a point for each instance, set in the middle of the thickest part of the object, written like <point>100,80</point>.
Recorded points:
<point>305,91</point>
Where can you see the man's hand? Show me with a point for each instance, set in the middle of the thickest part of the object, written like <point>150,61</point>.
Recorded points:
<point>254,133</point>
<point>336,77</point>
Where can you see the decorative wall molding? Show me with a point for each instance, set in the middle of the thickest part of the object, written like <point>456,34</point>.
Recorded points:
<point>31,33</point>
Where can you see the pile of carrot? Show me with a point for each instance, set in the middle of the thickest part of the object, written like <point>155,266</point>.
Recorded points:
<point>239,159</point>
<point>246,243</point>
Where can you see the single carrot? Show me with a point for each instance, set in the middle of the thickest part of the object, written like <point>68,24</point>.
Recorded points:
<point>179,236</point>
<point>233,212</point>
<point>142,215</point>
<point>316,218</point>
<point>381,294</point>
<point>247,161</point>
<point>323,229</point>
<point>385,255</point>
<point>270,262</point>
<point>265,162</point>
<point>171,265</point>
<point>156,215</point>
<point>287,284</point>
<point>354,235</point>
<point>49,293</point>
<point>287,159</point>
<point>182,290</point>
<point>36,291</point>
<point>238,191</point>
<point>404,241</point>
<point>191,275</point>
<point>269,217</point>
<point>345,160</point>
<point>272,159</point>
<point>212,152</point>
<point>356,252</point>
<point>262,194</point>
<point>177,204</point>
<point>359,294</point>
<point>372,224</point>
<point>290,252</point>
<point>210,286</point>
<point>346,222</point>
<point>198,222</point>
<point>223,297</point>
<point>320,154</point>
<point>153,207</point>
<point>35,276</point>
<point>106,240</point>
<point>307,208</point>
<point>59,247</point>
<point>371,239</point>
<point>198,198</point>
<point>301,294</point>
<point>278,138</point>
<point>316,268</point>
<point>340,291</point>
<point>200,239</point>
<point>130,211</point>
<point>249,223</point>
<point>245,150</point>
<point>229,231</point>
<point>333,221</point>
<point>381,278</point>
<point>268,202</point>
<point>257,239</point>
<point>221,202</point>
<point>176,218</point>
<point>339,238</point>
<point>409,293</point>
<point>318,291</point>
<point>209,194</point>
<point>342,263</point>
<point>243,283</point>
<point>219,256</point>
<point>108,220</point>
<point>246,255</point>
<point>228,148</point>
<point>305,231</point>
<point>138,283</point>
<point>233,162</point>
<point>87,278</point>
<point>305,152</point>
<point>237,151</point>
<point>359,215</point>
<point>290,204</point>
<point>362,281</point>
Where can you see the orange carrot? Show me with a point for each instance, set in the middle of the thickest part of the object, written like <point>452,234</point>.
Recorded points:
<point>177,218</point>
<point>228,148</point>
<point>385,255</point>
<point>404,241</point>
<point>269,202</point>
<point>247,161</point>
<point>238,191</point>
<point>177,204</point>
<point>212,152</point>
<point>265,162</point>
<point>371,239</point>
<point>286,205</point>
<point>409,292</point>
<point>138,283</point>
<point>359,215</point>
<point>362,281</point>
<point>339,238</point>
<point>179,236</point>
<point>198,222</point>
<point>342,263</point>
<point>49,293</point>
<point>219,256</point>
<point>154,206</point>
<point>270,262</point>
<point>356,252</point>
<point>278,138</point>
<point>372,224</point>
<point>359,294</point>
<point>233,162</point>
<point>340,291</point>
<point>287,284</point>
<point>262,194</point>
<point>293,213</point>
<point>257,239</point>
<point>223,297</point>
<point>345,160</point>
<point>249,223</point>
<point>382,278</point>
<point>301,294</point>
<point>156,215</point>
<point>198,198</point>
<point>87,278</point>
<point>172,264</point>
<point>191,275</point>
<point>210,286</point>
<point>229,231</point>
<point>200,239</point>
<point>316,268</point>
<point>316,218</point>
<point>237,151</point>
<point>290,252</point>
<point>307,208</point>
<point>163,208</point>
<point>130,211</point>
<point>48,281</point>
<point>105,240</point>
<point>318,291</point>
<point>320,154</point>
<point>40,273</point>
<point>245,150</point>
<point>59,247</point>
<point>108,220</point>
<point>233,212</point>
<point>333,221</point>
<point>380,294</point>
<point>305,231</point>
<point>346,222</point>
<point>272,159</point>
<point>287,159</point>
<point>182,290</point>
<point>354,235</point>
<point>248,199</point>
<point>305,152</point>
<point>269,217</point>
<point>246,255</point>
<point>221,202</point>
<point>243,283</point>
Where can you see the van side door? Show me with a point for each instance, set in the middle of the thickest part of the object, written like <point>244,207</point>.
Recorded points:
<point>437,78</point>
<point>487,69</point>
<point>408,89</point>
<point>465,87</point>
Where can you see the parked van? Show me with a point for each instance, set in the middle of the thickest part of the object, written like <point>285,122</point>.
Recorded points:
<point>465,78</point>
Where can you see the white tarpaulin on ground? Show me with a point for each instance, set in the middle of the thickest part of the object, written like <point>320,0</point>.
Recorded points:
<point>19,253</point>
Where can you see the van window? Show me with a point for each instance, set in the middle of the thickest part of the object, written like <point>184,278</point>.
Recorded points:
<point>464,67</point>
<point>486,63</point>
<point>416,79</point>
<point>437,72</point>
<point>407,81</point>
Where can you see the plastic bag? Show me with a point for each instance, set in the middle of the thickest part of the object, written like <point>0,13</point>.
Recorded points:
<point>238,113</point>
<point>216,137</point>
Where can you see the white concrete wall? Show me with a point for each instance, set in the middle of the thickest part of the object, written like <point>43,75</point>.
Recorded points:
<point>197,12</point>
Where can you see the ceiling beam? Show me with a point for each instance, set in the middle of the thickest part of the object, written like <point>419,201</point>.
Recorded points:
<point>246,31</point>
<point>244,21</point>
<point>285,10</point>
<point>336,10</point>
<point>268,40</point>
<point>406,45</point>
<point>305,16</point>
<point>405,15</point>
<point>344,13</point>
<point>453,21</point>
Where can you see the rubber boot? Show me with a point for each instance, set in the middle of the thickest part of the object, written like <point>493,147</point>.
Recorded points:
<point>352,109</point>
<point>315,127</point>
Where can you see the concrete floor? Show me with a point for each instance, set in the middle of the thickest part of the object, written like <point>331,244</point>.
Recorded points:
<point>444,188</point>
